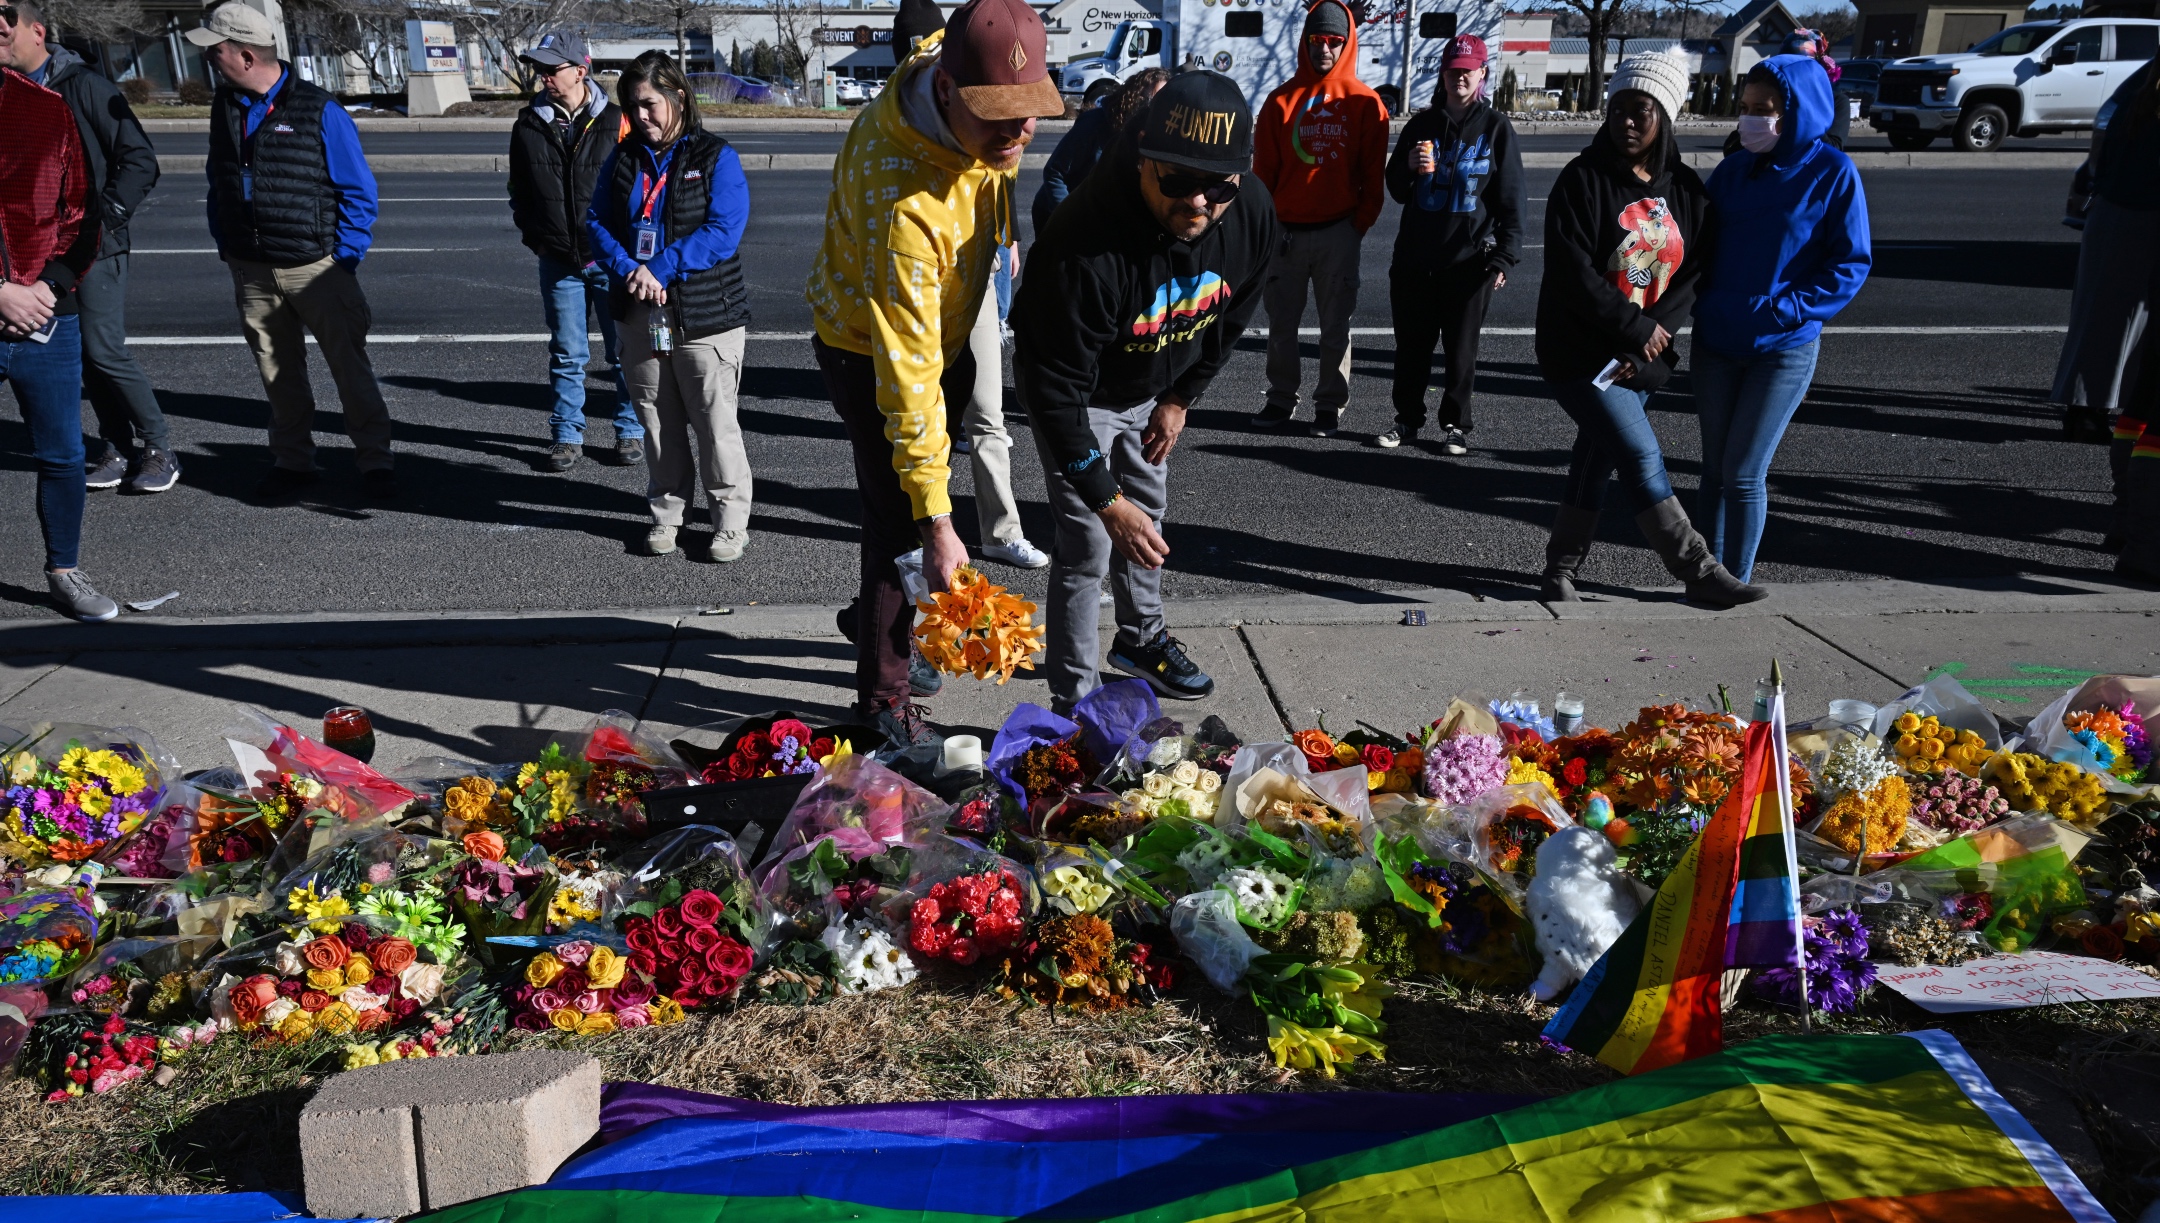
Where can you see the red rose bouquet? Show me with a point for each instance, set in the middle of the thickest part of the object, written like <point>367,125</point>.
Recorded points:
<point>786,748</point>
<point>684,953</point>
<point>965,919</point>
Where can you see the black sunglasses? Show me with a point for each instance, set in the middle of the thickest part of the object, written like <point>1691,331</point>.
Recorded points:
<point>8,15</point>
<point>1216,189</point>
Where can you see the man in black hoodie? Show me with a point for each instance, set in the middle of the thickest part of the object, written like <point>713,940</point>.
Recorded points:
<point>557,146</point>
<point>1457,172</point>
<point>123,169</point>
<point>1132,301</point>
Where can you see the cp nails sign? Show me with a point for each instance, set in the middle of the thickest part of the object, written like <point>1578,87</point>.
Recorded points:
<point>1202,126</point>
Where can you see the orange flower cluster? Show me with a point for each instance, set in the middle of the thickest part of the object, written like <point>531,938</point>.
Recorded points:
<point>1670,751</point>
<point>978,628</point>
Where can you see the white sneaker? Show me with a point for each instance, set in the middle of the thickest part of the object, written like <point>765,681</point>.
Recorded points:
<point>1019,553</point>
<point>659,541</point>
<point>727,546</point>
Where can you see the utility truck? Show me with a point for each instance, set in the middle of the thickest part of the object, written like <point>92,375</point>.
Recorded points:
<point>1255,43</point>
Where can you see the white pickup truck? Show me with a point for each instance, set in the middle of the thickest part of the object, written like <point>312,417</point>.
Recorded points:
<point>1254,42</point>
<point>2034,78</point>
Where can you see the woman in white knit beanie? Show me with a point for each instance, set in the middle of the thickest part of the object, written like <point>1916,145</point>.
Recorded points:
<point>1621,270</point>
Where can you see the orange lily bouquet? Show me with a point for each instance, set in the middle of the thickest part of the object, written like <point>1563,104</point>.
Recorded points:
<point>978,628</point>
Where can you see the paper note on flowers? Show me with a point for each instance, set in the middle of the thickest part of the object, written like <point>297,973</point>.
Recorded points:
<point>2006,982</point>
<point>978,628</point>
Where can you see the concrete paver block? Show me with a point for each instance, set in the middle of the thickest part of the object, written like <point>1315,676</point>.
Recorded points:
<point>424,1134</point>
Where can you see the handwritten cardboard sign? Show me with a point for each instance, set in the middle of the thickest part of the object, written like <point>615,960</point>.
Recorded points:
<point>2006,982</point>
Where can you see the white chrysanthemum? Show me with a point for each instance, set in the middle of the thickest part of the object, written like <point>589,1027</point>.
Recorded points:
<point>1262,894</point>
<point>867,960</point>
<point>1204,860</point>
<point>1344,883</point>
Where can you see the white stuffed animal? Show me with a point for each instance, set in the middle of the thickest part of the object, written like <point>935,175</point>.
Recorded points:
<point>1579,905</point>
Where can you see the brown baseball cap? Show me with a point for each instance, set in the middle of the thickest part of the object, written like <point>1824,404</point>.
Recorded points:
<point>998,54</point>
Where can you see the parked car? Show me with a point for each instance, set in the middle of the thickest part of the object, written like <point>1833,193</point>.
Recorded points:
<point>2028,80</point>
<point>850,91</point>
<point>1860,77</point>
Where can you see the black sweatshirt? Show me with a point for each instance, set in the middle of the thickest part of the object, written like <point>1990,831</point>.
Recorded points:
<point>123,166</point>
<point>1622,256</point>
<point>1470,210</point>
<point>1112,311</point>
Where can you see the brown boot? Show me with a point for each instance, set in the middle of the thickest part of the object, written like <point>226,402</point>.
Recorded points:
<point>1573,529</point>
<point>1687,555</point>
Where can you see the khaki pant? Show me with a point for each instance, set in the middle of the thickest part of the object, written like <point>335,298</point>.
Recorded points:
<point>689,392</point>
<point>1327,259</point>
<point>275,304</point>
<point>995,510</point>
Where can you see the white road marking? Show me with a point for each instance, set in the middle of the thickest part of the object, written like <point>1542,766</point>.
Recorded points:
<point>541,337</point>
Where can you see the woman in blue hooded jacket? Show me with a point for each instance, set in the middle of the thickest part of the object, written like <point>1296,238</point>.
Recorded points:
<point>1791,249</point>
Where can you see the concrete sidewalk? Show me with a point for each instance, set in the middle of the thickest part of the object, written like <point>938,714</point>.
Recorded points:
<point>493,687</point>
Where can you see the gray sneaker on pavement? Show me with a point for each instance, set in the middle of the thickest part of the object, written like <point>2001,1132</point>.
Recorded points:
<point>73,594</point>
<point>562,456</point>
<point>159,470</point>
<point>728,546</point>
<point>659,541</point>
<point>629,451</point>
<point>107,469</point>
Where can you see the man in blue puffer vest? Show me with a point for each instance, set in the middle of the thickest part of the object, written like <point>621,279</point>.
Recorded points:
<point>292,207</point>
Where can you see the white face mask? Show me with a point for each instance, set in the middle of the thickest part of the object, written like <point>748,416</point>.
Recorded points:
<point>1758,133</point>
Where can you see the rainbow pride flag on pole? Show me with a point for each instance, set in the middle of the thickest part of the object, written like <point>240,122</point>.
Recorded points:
<point>1791,1129</point>
<point>1652,999</point>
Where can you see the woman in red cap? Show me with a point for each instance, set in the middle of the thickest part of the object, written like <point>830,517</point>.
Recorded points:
<point>1457,172</point>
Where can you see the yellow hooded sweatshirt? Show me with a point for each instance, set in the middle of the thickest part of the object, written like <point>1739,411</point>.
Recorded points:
<point>911,230</point>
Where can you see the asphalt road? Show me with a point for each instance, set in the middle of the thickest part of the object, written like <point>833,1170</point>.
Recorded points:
<point>1922,454</point>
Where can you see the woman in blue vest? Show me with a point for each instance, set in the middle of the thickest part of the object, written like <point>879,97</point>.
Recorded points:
<point>1791,251</point>
<point>667,218</point>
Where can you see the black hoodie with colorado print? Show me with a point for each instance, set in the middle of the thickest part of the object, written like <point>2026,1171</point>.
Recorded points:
<point>1112,311</point>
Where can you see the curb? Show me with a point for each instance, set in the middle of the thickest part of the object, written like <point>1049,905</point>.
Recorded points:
<point>1481,604</point>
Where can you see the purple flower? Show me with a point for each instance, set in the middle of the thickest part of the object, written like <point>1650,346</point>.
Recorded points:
<point>1838,971</point>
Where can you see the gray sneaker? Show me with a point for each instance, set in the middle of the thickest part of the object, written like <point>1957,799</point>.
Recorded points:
<point>73,594</point>
<point>159,470</point>
<point>107,469</point>
<point>562,456</point>
<point>728,545</point>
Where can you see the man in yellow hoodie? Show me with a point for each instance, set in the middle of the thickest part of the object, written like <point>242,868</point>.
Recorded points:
<point>922,200</point>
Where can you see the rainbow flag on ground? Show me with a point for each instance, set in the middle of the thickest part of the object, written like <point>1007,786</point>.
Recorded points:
<point>1652,999</point>
<point>1786,1128</point>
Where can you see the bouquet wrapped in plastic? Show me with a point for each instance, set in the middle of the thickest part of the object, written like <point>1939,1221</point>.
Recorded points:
<point>45,933</point>
<point>67,792</point>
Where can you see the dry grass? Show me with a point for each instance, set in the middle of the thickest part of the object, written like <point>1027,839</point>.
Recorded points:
<point>228,1121</point>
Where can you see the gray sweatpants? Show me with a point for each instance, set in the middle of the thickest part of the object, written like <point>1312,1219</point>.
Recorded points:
<point>1081,555</point>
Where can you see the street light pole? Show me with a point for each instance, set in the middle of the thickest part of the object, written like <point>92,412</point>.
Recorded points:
<point>1409,20</point>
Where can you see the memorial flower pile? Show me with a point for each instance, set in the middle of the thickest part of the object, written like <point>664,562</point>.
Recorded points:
<point>2117,738</point>
<point>1924,746</point>
<point>588,989</point>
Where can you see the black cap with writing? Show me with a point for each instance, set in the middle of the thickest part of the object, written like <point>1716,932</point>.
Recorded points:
<point>1200,121</point>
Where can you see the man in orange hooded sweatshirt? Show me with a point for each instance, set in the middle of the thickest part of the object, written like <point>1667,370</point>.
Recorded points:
<point>1321,146</point>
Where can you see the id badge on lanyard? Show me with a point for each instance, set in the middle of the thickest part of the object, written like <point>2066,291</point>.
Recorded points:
<point>647,226</point>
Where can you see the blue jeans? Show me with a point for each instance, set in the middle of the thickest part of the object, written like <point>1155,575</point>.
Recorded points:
<point>565,292</point>
<point>1001,281</point>
<point>1612,433</point>
<point>48,388</point>
<point>1744,404</point>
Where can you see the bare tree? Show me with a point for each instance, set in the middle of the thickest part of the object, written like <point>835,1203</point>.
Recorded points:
<point>507,27</point>
<point>797,23</point>
<point>681,16</point>
<point>100,21</point>
<point>1600,20</point>
<point>355,29</point>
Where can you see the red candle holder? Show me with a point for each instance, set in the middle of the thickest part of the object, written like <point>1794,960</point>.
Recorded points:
<point>348,729</point>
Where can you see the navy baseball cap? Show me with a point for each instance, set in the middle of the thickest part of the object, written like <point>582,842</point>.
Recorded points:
<point>558,47</point>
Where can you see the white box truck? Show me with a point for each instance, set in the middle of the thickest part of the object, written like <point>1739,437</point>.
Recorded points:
<point>1255,43</point>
